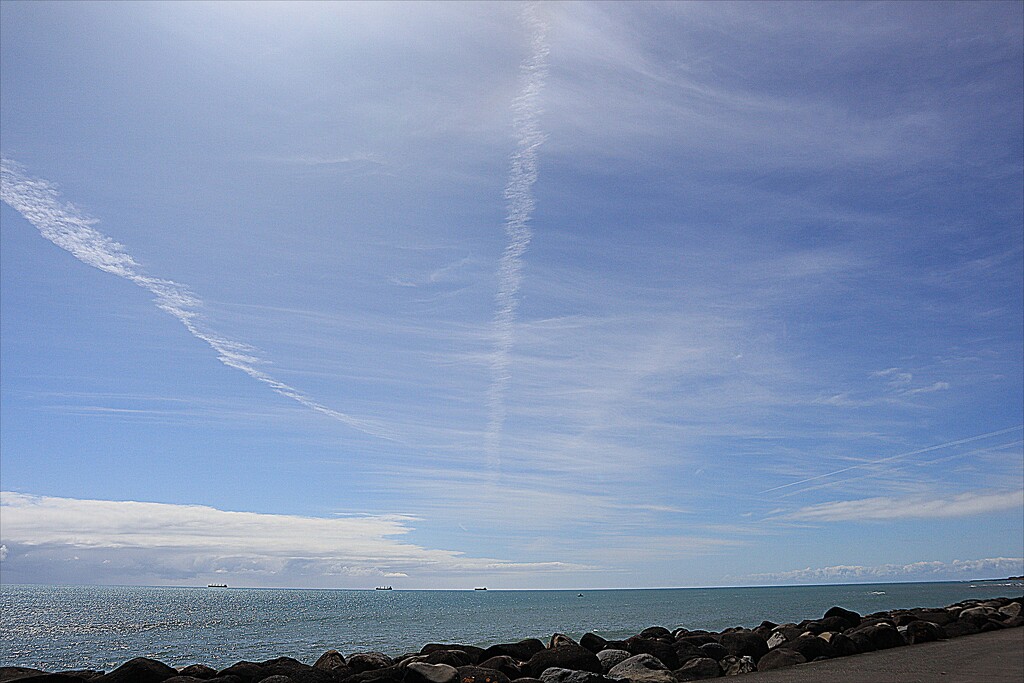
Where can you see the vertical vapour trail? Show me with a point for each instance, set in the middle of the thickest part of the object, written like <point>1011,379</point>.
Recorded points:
<point>64,225</point>
<point>526,110</point>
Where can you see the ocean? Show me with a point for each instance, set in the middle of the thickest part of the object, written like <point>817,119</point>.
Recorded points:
<point>100,627</point>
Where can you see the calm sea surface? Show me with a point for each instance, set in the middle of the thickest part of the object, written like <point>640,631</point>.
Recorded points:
<point>65,627</point>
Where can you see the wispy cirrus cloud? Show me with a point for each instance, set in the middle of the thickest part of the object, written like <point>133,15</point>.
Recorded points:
<point>190,542</point>
<point>519,195</point>
<point>62,223</point>
<point>885,508</point>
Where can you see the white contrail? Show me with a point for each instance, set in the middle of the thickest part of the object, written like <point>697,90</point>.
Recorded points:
<point>869,463</point>
<point>526,109</point>
<point>64,225</point>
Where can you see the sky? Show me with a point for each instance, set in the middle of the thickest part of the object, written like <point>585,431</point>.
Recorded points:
<point>557,295</point>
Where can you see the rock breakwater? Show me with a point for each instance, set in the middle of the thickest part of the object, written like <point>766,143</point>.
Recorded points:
<point>655,655</point>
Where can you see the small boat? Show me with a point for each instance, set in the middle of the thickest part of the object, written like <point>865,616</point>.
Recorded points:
<point>382,588</point>
<point>481,588</point>
<point>580,595</point>
<point>216,585</point>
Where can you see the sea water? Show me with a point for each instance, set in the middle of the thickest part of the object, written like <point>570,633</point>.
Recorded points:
<point>100,627</point>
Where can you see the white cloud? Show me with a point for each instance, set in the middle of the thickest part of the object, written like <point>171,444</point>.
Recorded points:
<point>993,567</point>
<point>920,507</point>
<point>519,195</point>
<point>64,225</point>
<point>185,542</point>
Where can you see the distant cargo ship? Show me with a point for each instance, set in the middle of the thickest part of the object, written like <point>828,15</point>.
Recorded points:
<point>481,588</point>
<point>216,585</point>
<point>382,588</point>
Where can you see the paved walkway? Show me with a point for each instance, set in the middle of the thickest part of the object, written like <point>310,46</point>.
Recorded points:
<point>995,657</point>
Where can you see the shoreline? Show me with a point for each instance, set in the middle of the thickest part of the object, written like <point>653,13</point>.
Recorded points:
<point>841,645</point>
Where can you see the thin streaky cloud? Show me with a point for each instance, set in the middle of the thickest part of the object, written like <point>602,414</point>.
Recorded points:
<point>885,509</point>
<point>62,223</point>
<point>871,475</point>
<point>518,193</point>
<point>948,444</point>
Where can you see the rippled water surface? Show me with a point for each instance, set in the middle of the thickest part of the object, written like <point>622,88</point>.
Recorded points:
<point>67,627</point>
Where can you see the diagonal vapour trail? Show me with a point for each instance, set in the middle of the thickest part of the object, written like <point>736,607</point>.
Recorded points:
<point>927,449</point>
<point>61,223</point>
<point>872,475</point>
<point>526,109</point>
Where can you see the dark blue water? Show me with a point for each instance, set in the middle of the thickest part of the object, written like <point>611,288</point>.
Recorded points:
<point>67,627</point>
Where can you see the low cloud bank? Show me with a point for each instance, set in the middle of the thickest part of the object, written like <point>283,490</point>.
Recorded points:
<point>992,567</point>
<point>66,540</point>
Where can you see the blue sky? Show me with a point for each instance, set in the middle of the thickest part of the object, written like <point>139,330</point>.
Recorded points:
<point>526,296</point>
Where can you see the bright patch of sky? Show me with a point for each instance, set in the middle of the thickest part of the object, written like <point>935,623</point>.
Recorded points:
<point>556,295</point>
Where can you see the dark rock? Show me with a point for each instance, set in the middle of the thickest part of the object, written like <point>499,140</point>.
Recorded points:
<point>277,678</point>
<point>642,668</point>
<point>13,673</point>
<point>593,642</point>
<point>295,670</point>
<point>421,672</point>
<point>905,618</point>
<point>454,658</point>
<point>504,664</point>
<point>811,647</point>
<point>185,679</point>
<point>652,646</point>
<point>698,670</point>
<point>198,671</point>
<point>559,639</point>
<point>874,621</point>
<point>655,632</point>
<point>838,624</point>
<point>1014,622</point>
<point>330,660</point>
<point>939,617</point>
<point>923,632</point>
<point>841,645</point>
<point>778,658</point>
<point>955,629</point>
<point>369,661</point>
<point>992,625</point>
<point>556,675</point>
<point>696,639</point>
<point>882,635</point>
<point>813,627</point>
<point>474,674</point>
<point>715,651</point>
<point>977,615</point>
<point>745,643</point>
<point>521,651</point>
<point>685,651</point>
<point>50,678</point>
<point>139,670</point>
<point>527,679</point>
<point>1009,610</point>
<point>860,641</point>
<point>734,666</point>
<point>475,653</point>
<point>563,657</point>
<point>247,671</point>
<point>850,616</point>
<point>389,674</point>
<point>610,658</point>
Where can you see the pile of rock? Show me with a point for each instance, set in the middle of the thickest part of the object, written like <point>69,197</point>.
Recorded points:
<point>655,655</point>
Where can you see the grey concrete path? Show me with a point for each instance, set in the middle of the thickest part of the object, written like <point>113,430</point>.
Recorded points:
<point>995,657</point>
